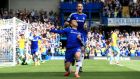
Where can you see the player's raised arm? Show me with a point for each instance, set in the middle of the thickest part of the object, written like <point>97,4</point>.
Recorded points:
<point>66,23</point>
<point>85,26</point>
<point>63,31</point>
<point>71,17</point>
<point>81,39</point>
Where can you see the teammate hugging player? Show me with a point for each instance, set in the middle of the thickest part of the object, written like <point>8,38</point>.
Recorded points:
<point>73,47</point>
<point>80,17</point>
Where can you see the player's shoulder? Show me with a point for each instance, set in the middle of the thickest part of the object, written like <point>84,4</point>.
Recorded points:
<point>84,14</point>
<point>114,34</point>
<point>74,13</point>
<point>38,36</point>
<point>67,28</point>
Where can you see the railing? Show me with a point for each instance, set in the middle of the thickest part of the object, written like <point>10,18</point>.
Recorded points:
<point>120,21</point>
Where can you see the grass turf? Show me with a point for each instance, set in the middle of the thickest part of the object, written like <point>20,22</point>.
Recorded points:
<point>93,69</point>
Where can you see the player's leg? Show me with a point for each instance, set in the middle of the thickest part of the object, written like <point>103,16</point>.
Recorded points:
<point>38,57</point>
<point>112,52</point>
<point>43,57</point>
<point>82,58</point>
<point>19,56</point>
<point>111,55</point>
<point>111,58</point>
<point>117,55</point>
<point>28,58</point>
<point>34,53</point>
<point>21,52</point>
<point>67,63</point>
<point>77,57</point>
<point>70,69</point>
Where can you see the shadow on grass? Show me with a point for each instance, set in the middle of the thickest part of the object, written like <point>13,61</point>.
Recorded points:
<point>59,75</point>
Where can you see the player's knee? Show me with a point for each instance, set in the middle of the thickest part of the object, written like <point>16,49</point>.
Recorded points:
<point>67,65</point>
<point>82,48</point>
<point>77,55</point>
<point>78,60</point>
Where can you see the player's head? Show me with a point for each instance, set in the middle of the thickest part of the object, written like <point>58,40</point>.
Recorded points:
<point>22,35</point>
<point>34,32</point>
<point>73,23</point>
<point>116,31</point>
<point>79,8</point>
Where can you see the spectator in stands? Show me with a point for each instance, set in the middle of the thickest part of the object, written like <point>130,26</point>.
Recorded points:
<point>112,8</point>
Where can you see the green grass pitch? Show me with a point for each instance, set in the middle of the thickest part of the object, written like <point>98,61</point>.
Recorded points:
<point>93,69</point>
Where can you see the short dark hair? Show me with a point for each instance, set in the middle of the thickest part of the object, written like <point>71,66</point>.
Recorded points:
<point>116,30</point>
<point>79,3</point>
<point>72,20</point>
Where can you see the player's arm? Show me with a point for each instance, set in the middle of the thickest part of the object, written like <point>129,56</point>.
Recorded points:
<point>30,37</point>
<point>80,39</point>
<point>85,26</point>
<point>68,19</point>
<point>63,31</point>
<point>66,23</point>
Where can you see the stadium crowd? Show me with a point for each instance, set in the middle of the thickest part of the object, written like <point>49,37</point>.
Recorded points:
<point>129,43</point>
<point>134,8</point>
<point>115,9</point>
<point>112,9</point>
<point>97,44</point>
<point>30,15</point>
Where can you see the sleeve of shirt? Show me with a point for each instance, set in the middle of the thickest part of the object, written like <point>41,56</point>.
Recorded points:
<point>39,37</point>
<point>64,31</point>
<point>71,17</point>
<point>30,37</point>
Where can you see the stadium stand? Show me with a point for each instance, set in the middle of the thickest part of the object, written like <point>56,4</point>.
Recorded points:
<point>129,41</point>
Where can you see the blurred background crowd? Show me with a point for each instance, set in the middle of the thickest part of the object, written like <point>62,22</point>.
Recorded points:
<point>98,39</point>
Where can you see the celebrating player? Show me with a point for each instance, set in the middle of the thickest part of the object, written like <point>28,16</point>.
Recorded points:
<point>80,17</point>
<point>73,47</point>
<point>35,47</point>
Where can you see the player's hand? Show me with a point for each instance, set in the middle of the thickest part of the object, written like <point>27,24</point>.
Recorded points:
<point>85,26</point>
<point>66,23</point>
<point>79,37</point>
<point>50,27</point>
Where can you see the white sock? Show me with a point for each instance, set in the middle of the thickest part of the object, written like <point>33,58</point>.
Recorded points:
<point>77,66</point>
<point>111,59</point>
<point>81,59</point>
<point>117,58</point>
<point>70,69</point>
